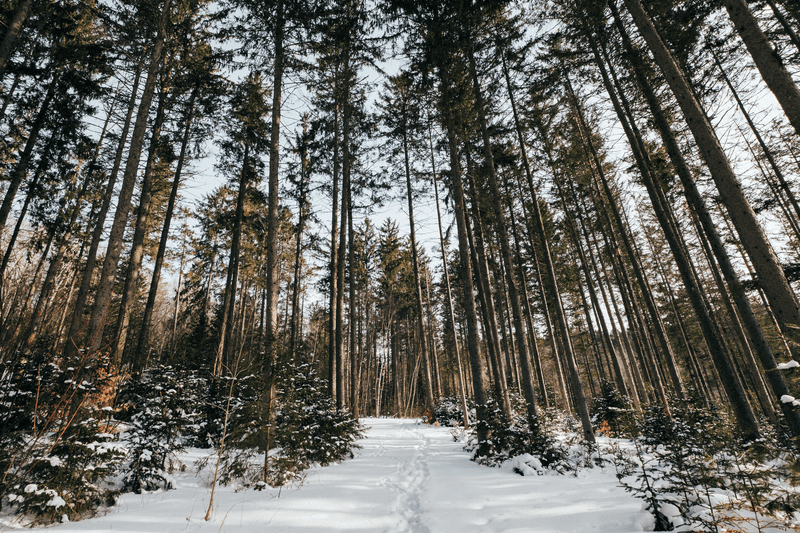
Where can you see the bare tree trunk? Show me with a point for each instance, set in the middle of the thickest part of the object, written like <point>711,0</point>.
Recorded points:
<point>97,232</point>
<point>480,264</point>
<point>302,209</point>
<point>21,168</point>
<point>770,273</point>
<point>48,286</point>
<point>546,308</point>
<point>513,291</point>
<point>536,359</point>
<point>334,264</point>
<point>662,209</point>
<point>131,287</point>
<point>273,281</point>
<point>479,380</point>
<point>144,331</point>
<point>767,61</point>
<point>105,287</point>
<point>177,307</point>
<point>449,297</point>
<point>32,185</point>
<point>229,298</point>
<point>352,320</point>
<point>430,402</point>
<point>340,272</point>
<point>12,34</point>
<point>779,290</point>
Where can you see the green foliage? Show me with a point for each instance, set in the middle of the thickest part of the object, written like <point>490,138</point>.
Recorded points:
<point>55,452</point>
<point>448,411</point>
<point>306,428</point>
<point>309,429</point>
<point>233,426</point>
<point>163,405</point>
<point>72,479</point>
<point>695,474</point>
<point>509,439</point>
<point>613,411</point>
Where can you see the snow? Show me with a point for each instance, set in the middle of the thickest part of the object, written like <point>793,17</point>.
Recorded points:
<point>56,500</point>
<point>407,477</point>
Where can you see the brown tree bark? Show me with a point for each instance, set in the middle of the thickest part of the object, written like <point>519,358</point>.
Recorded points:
<point>144,331</point>
<point>505,253</point>
<point>430,402</point>
<point>97,232</point>
<point>765,57</point>
<point>140,232</point>
<point>479,380</point>
<point>448,295</point>
<point>761,251</point>
<point>770,273</point>
<point>273,220</point>
<point>94,337</point>
<point>12,34</point>
<point>21,168</point>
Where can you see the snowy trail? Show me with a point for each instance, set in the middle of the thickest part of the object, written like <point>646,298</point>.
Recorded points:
<point>407,478</point>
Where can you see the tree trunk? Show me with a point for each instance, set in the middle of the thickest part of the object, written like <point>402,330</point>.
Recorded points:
<point>430,402</point>
<point>449,297</point>
<point>785,24</point>
<point>12,34</point>
<point>334,264</point>
<point>131,286</point>
<point>273,219</point>
<point>144,331</point>
<point>716,346</point>
<point>779,290</point>
<point>505,252</point>
<point>97,232</point>
<point>479,380</point>
<point>232,277</point>
<point>536,359</point>
<point>770,273</point>
<point>767,61</point>
<point>767,152</point>
<point>32,185</point>
<point>105,287</point>
<point>48,285</point>
<point>21,168</point>
<point>340,272</point>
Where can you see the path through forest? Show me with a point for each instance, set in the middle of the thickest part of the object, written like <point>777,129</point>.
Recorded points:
<point>406,477</point>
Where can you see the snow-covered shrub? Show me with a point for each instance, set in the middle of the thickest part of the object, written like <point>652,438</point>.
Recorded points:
<point>72,479</point>
<point>449,413</point>
<point>56,447</point>
<point>306,428</point>
<point>162,409</point>
<point>613,412</point>
<point>695,474</point>
<point>309,429</point>
<point>511,438</point>
<point>233,427</point>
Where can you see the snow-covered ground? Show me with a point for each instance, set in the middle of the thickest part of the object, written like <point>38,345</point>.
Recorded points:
<point>407,477</point>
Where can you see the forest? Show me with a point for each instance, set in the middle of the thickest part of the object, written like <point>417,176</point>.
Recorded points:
<point>594,217</point>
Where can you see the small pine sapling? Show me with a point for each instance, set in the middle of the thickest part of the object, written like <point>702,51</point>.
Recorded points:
<point>56,454</point>
<point>160,414</point>
<point>309,429</point>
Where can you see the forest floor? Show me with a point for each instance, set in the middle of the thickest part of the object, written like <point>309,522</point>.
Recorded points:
<point>406,477</point>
